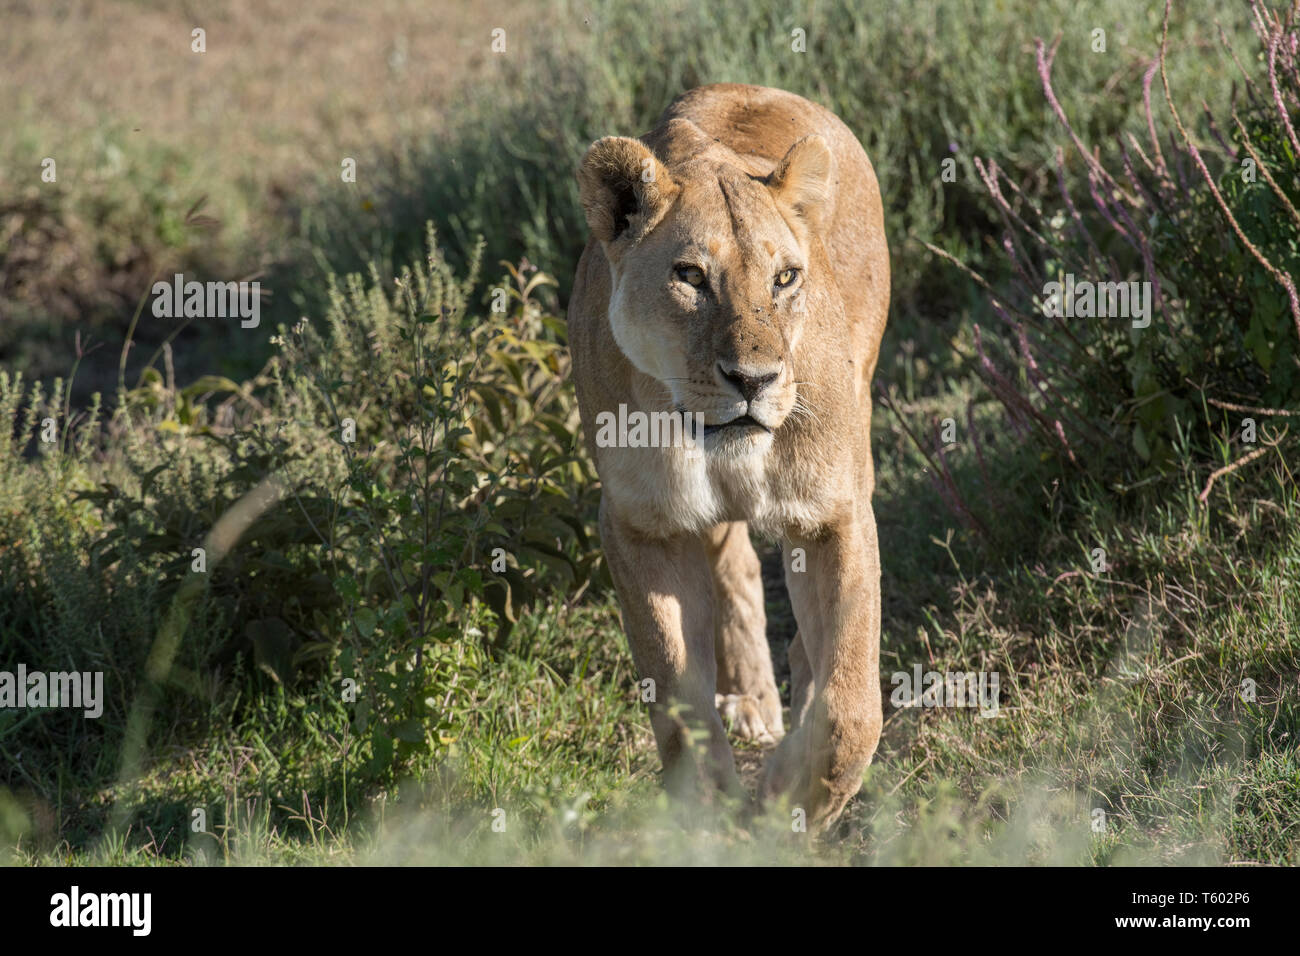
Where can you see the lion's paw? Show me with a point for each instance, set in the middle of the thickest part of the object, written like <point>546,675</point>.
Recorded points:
<point>742,716</point>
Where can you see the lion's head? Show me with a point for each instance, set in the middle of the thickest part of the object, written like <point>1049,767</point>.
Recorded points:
<point>715,267</point>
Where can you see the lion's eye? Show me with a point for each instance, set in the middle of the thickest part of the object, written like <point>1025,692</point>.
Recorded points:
<point>691,275</point>
<point>786,277</point>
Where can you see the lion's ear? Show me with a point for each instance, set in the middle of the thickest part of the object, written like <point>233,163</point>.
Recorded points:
<point>623,186</point>
<point>802,180</point>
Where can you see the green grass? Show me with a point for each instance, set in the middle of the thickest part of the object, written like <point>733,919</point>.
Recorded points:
<point>1121,692</point>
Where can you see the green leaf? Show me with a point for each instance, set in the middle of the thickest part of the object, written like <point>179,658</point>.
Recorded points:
<point>365,620</point>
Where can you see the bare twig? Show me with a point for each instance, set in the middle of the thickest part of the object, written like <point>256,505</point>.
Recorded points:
<point>1250,408</point>
<point>1228,469</point>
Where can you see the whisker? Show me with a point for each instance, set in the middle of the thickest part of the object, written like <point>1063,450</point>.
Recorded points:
<point>808,402</point>
<point>804,411</point>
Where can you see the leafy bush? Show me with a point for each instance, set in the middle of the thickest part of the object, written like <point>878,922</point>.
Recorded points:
<point>465,490</point>
<point>398,552</point>
<point>1214,231</point>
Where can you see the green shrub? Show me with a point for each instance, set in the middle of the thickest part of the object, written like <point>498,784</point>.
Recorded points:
<point>399,556</point>
<point>1212,228</point>
<point>465,488</point>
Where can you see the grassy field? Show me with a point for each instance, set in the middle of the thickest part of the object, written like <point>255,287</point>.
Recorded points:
<point>352,678</point>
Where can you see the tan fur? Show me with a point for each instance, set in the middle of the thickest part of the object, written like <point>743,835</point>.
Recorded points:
<point>741,182</point>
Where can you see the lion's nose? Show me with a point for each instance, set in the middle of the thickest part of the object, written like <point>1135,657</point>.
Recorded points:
<point>747,380</point>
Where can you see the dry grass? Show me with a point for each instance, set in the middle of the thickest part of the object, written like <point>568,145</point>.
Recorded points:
<point>141,128</point>
<point>275,94</point>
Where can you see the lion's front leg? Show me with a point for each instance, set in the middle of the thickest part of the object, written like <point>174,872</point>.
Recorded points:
<point>837,605</point>
<point>747,696</point>
<point>664,589</point>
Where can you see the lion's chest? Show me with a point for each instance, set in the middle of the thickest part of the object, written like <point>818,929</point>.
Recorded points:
<point>664,491</point>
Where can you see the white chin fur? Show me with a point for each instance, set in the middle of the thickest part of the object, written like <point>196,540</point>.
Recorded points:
<point>734,444</point>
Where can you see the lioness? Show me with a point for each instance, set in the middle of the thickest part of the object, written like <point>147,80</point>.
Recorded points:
<point>737,270</point>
